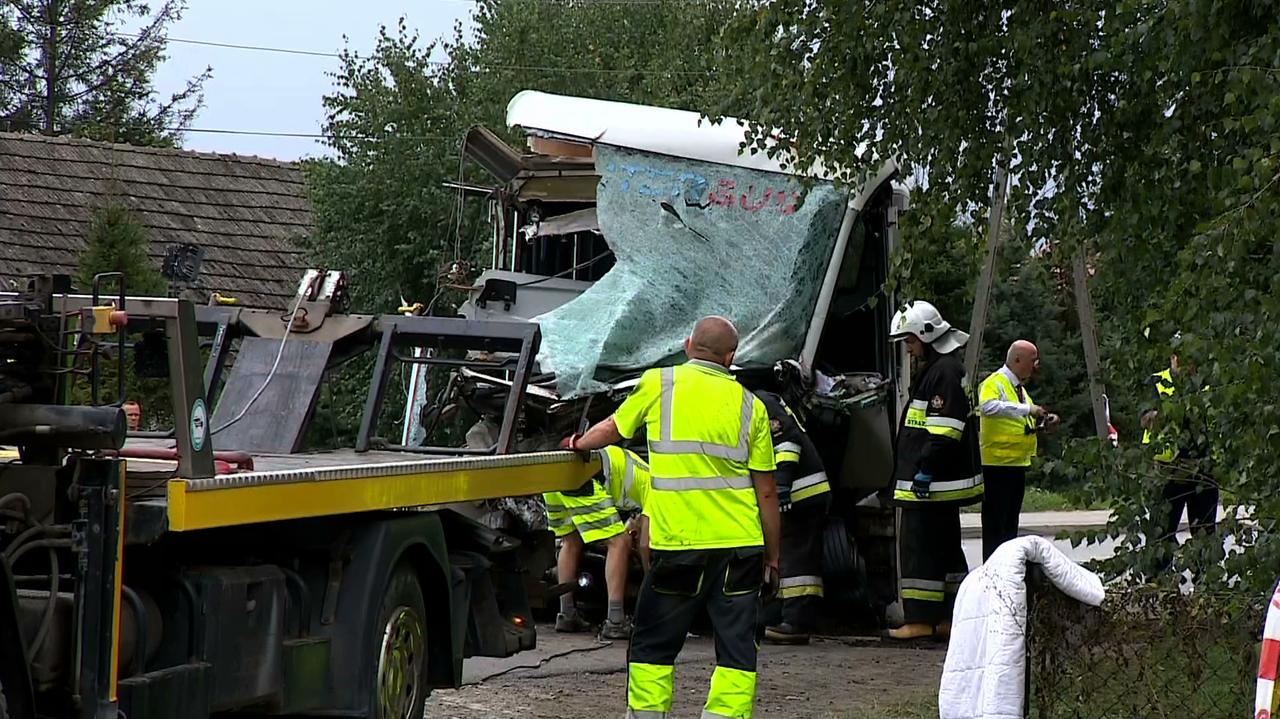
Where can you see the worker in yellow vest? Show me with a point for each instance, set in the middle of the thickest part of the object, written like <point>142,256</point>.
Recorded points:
<point>1009,424</point>
<point>626,478</point>
<point>581,518</point>
<point>1185,463</point>
<point>713,516</point>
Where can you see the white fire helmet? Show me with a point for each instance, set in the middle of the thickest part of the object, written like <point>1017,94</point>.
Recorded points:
<point>923,320</point>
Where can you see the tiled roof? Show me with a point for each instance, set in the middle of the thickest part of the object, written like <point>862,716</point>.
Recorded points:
<point>248,213</point>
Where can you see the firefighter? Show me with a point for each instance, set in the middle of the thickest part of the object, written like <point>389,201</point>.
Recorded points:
<point>803,499</point>
<point>578,519</point>
<point>713,521</point>
<point>936,470</point>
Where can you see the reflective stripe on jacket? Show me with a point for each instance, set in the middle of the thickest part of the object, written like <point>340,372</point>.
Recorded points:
<point>706,434</point>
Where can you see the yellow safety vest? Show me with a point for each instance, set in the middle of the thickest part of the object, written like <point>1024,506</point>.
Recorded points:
<point>706,434</point>
<point>626,478</point>
<point>1005,441</point>
<point>1164,386</point>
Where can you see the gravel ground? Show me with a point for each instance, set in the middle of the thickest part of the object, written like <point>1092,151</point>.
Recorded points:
<point>574,677</point>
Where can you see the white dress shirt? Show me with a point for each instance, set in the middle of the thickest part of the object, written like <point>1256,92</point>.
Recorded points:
<point>1009,407</point>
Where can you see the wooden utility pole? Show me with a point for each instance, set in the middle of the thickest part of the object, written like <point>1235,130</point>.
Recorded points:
<point>1089,338</point>
<point>978,324</point>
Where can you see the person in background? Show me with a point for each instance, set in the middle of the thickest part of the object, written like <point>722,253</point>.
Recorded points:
<point>804,496</point>
<point>1009,424</point>
<point>132,415</point>
<point>581,518</point>
<point>937,469</point>
<point>1185,463</point>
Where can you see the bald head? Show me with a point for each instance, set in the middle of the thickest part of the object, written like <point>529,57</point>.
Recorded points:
<point>714,339</point>
<point>1022,359</point>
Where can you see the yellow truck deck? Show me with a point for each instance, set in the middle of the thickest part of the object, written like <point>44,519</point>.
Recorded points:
<point>297,486</point>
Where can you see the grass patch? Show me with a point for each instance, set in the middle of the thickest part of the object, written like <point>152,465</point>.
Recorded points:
<point>919,708</point>
<point>1044,500</point>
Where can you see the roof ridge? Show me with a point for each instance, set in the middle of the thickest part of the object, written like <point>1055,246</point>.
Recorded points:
<point>146,150</point>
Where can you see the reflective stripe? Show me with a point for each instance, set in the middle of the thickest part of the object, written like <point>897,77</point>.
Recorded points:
<point>785,457</point>
<point>948,486</point>
<point>666,445</point>
<point>919,404</point>
<point>650,689</point>
<point>786,447</point>
<point>673,484</point>
<point>925,590</point>
<point>906,495</point>
<point>624,495</point>
<point>805,580</point>
<point>916,418</point>
<point>930,584</point>
<point>944,432</point>
<point>809,492</point>
<point>598,524</point>
<point>808,481</point>
<point>599,506</point>
<point>810,485</point>
<point>945,422</point>
<point>630,479</point>
<point>809,590</point>
<point>732,695</point>
<point>941,491</point>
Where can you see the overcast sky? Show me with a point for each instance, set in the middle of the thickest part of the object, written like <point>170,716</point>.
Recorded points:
<point>277,92</point>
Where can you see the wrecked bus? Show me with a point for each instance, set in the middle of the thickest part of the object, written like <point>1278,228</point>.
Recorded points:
<point>619,225</point>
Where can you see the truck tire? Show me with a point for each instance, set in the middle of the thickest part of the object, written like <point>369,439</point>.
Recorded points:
<point>400,650</point>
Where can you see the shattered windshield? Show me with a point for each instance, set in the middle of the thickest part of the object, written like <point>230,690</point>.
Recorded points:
<point>692,239</point>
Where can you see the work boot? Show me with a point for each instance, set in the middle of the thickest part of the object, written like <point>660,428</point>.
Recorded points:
<point>616,630</point>
<point>912,631</point>
<point>571,624</point>
<point>785,634</point>
<point>943,629</point>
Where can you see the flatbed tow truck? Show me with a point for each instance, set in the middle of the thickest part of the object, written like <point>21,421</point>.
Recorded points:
<point>148,576</point>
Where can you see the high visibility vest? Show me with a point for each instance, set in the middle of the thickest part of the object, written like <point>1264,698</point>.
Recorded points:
<point>1164,387</point>
<point>626,478</point>
<point>1006,441</point>
<point>706,433</point>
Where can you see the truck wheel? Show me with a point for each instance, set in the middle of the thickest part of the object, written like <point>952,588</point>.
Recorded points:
<point>400,645</point>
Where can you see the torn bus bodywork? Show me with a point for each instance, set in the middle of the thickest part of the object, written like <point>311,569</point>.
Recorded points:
<point>621,225</point>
